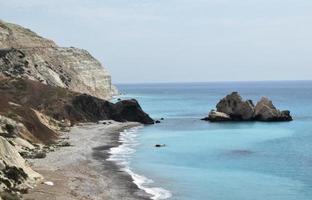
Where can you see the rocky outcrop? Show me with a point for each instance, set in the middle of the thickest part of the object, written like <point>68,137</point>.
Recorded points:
<point>93,109</point>
<point>15,174</point>
<point>266,111</point>
<point>24,54</point>
<point>234,108</point>
<point>10,157</point>
<point>62,105</point>
<point>216,116</point>
<point>130,110</point>
<point>13,35</point>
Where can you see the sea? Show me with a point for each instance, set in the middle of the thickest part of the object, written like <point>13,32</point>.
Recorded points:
<point>219,161</point>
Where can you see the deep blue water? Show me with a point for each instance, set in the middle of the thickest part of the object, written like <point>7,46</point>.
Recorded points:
<point>224,161</point>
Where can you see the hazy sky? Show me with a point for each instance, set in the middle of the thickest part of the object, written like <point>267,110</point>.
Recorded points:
<point>179,40</point>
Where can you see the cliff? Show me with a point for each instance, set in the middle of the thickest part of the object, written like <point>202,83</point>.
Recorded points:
<point>45,89</point>
<point>31,116</point>
<point>24,54</point>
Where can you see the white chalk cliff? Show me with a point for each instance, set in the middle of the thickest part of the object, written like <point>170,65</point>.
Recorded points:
<point>23,53</point>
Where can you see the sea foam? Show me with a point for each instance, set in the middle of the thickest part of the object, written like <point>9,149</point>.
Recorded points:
<point>121,155</point>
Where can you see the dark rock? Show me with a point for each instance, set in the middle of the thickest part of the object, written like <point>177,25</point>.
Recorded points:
<point>16,174</point>
<point>10,128</point>
<point>12,62</point>
<point>93,109</point>
<point>157,121</point>
<point>33,154</point>
<point>162,118</point>
<point>89,108</point>
<point>37,155</point>
<point>160,145</point>
<point>130,110</point>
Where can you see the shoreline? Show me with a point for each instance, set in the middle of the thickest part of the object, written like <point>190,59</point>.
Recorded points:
<point>82,171</point>
<point>121,156</point>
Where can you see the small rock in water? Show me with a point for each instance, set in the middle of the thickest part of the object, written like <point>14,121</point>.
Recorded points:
<point>157,121</point>
<point>50,183</point>
<point>160,145</point>
<point>241,152</point>
<point>162,118</point>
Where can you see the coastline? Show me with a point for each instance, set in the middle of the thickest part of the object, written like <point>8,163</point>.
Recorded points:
<point>121,155</point>
<point>82,171</point>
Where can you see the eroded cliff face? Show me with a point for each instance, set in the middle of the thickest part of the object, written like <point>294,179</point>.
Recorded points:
<point>41,88</point>
<point>25,54</point>
<point>13,35</point>
<point>38,81</point>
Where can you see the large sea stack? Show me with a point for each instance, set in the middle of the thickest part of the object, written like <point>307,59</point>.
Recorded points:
<point>234,108</point>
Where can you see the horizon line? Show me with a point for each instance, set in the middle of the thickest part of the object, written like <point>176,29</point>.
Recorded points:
<point>241,81</point>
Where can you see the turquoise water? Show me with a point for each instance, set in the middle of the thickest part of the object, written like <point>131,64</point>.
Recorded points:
<point>224,161</point>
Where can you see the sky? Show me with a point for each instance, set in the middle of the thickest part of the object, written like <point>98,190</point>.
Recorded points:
<point>179,40</point>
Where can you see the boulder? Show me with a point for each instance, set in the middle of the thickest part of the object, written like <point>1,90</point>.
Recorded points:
<point>15,173</point>
<point>10,156</point>
<point>234,106</point>
<point>266,111</point>
<point>215,116</point>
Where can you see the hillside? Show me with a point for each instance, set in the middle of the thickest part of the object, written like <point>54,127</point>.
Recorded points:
<point>46,89</point>
<point>25,54</point>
